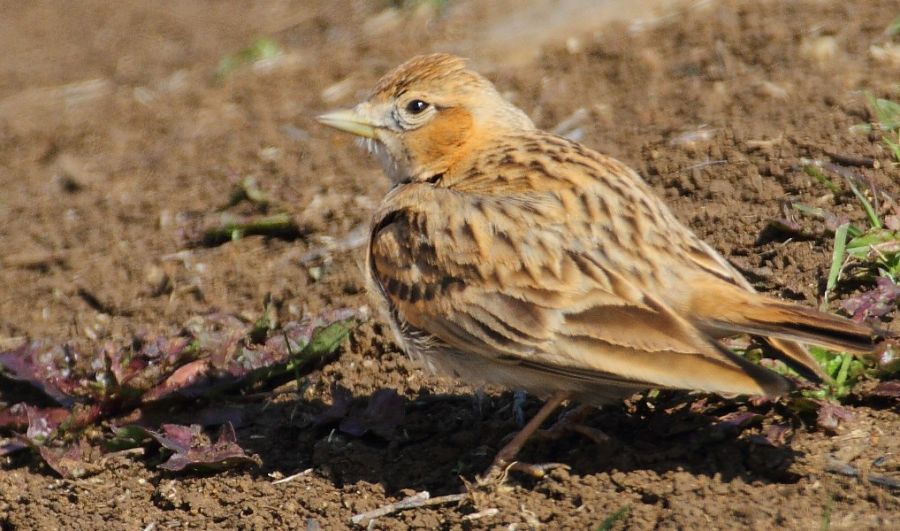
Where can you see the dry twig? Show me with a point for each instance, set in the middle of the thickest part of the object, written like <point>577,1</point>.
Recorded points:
<point>419,499</point>
<point>852,160</point>
<point>292,477</point>
<point>839,467</point>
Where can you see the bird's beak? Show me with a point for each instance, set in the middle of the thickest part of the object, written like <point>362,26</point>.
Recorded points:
<point>351,121</point>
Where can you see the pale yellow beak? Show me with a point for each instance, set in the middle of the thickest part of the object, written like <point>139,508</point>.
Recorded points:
<point>350,121</point>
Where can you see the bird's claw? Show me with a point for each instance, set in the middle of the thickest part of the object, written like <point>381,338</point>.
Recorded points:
<point>498,472</point>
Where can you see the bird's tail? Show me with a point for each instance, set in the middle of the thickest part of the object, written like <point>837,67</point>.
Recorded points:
<point>784,324</point>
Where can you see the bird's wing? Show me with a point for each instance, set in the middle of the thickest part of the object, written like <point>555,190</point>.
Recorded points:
<point>508,279</point>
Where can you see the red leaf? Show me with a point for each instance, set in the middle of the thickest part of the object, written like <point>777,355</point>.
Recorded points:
<point>191,453</point>
<point>382,415</point>
<point>339,408</point>
<point>876,302</point>
<point>778,434</point>
<point>738,419</point>
<point>29,363</point>
<point>179,381</point>
<point>831,416</point>
<point>71,462</point>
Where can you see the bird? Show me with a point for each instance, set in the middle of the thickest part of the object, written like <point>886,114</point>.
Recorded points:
<point>506,254</point>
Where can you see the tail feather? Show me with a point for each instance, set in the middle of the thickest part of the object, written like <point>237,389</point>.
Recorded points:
<point>784,325</point>
<point>773,318</point>
<point>795,356</point>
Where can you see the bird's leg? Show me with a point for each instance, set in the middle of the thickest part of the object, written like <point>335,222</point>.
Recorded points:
<point>572,421</point>
<point>505,458</point>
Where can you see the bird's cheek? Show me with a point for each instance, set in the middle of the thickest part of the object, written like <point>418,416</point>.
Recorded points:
<point>443,137</point>
<point>451,129</point>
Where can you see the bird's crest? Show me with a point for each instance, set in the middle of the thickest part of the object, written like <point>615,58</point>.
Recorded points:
<point>420,69</point>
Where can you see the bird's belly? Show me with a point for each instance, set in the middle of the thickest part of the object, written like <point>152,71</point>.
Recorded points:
<point>474,369</point>
<point>436,357</point>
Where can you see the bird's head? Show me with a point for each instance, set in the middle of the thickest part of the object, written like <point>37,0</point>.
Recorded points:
<point>427,115</point>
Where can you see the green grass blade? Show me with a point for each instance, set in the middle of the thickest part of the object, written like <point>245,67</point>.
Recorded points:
<point>862,246</point>
<point>894,146</point>
<point>894,28</point>
<point>837,257</point>
<point>820,213</point>
<point>886,112</point>
<point>817,174</point>
<point>870,212</point>
<point>611,520</point>
<point>813,212</point>
<point>826,515</point>
<point>841,378</point>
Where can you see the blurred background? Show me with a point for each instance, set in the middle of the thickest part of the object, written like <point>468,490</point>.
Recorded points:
<point>121,122</point>
<point>160,163</point>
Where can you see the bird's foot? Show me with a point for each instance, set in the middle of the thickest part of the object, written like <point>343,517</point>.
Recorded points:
<point>571,421</point>
<point>498,472</point>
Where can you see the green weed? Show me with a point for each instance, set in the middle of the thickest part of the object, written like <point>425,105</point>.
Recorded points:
<point>610,521</point>
<point>887,120</point>
<point>259,50</point>
<point>869,252</point>
<point>894,29</point>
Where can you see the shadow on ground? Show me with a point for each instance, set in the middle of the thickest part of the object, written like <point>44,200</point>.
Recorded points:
<point>445,437</point>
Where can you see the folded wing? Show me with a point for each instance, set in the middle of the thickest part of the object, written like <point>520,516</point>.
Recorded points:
<point>463,278</point>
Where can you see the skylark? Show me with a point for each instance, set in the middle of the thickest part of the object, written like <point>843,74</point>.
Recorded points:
<point>510,255</point>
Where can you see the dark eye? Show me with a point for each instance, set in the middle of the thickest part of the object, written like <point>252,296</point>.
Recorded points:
<point>416,106</point>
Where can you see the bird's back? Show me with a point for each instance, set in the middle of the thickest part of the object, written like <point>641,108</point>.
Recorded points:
<point>540,260</point>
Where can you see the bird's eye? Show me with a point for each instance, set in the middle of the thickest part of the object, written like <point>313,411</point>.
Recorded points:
<point>416,106</point>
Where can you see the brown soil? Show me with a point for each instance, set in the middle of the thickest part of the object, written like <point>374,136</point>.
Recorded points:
<point>113,129</point>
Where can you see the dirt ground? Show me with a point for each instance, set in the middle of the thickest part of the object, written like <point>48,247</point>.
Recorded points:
<point>115,129</point>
